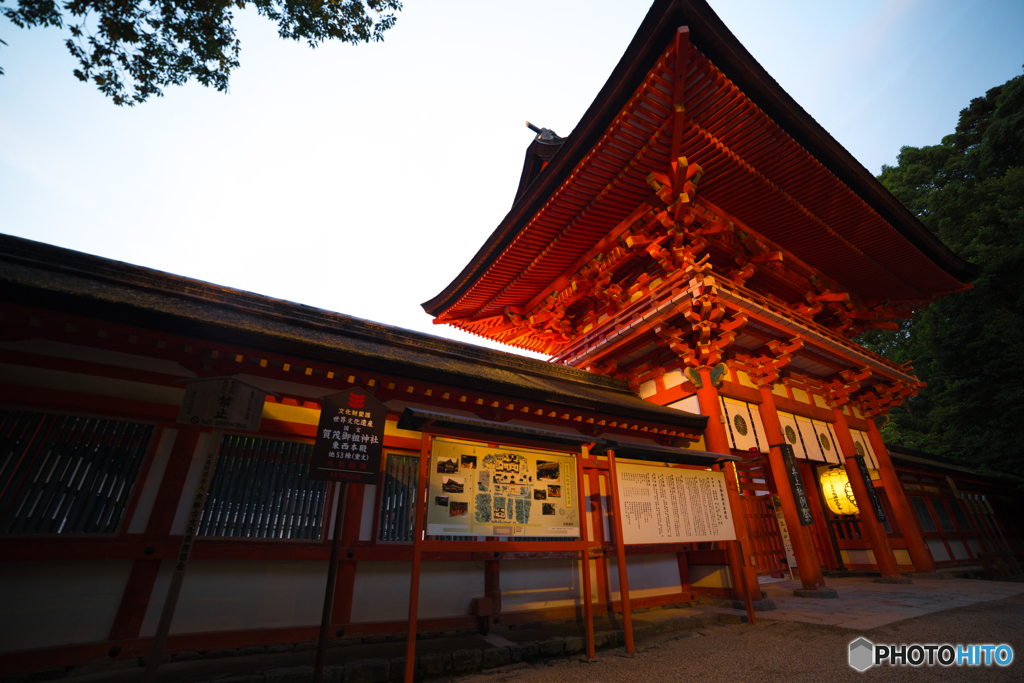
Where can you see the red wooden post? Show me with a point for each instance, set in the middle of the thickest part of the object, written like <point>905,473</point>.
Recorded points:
<point>325,618</point>
<point>600,564</point>
<point>620,553</point>
<point>581,499</point>
<point>492,584</point>
<point>744,577</point>
<point>872,528</point>
<point>829,552</point>
<point>352,502</point>
<point>135,600</point>
<point>920,555</point>
<point>803,544</point>
<point>417,552</point>
<point>684,572</point>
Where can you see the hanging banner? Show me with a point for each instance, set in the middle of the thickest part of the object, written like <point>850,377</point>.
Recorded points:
<point>743,425</point>
<point>876,503</point>
<point>670,505</point>
<point>794,437</point>
<point>349,438</point>
<point>862,444</point>
<point>803,507</point>
<point>510,491</point>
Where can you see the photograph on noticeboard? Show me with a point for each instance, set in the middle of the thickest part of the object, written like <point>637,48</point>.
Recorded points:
<point>453,484</point>
<point>554,491</point>
<point>458,509</point>
<point>540,494</point>
<point>447,466</point>
<point>548,509</point>
<point>469,462</point>
<point>547,471</point>
<point>441,501</point>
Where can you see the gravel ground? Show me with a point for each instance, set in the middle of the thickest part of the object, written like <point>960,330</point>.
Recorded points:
<point>790,651</point>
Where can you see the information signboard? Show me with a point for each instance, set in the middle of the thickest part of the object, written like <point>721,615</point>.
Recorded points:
<point>349,438</point>
<point>222,403</point>
<point>671,505</point>
<point>787,542</point>
<point>796,483</point>
<point>509,491</point>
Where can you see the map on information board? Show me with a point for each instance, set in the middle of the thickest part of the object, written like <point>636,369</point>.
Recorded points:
<point>670,505</point>
<point>480,491</point>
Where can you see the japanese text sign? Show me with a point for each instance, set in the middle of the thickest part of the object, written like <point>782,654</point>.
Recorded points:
<point>803,506</point>
<point>222,403</point>
<point>876,503</point>
<point>349,438</point>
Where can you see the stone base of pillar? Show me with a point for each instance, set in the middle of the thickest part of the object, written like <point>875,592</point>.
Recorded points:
<point>816,593</point>
<point>896,579</point>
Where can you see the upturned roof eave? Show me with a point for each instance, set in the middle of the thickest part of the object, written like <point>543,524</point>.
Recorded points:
<point>710,35</point>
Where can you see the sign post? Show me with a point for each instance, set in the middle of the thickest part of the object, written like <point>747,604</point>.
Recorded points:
<point>348,447</point>
<point>220,402</point>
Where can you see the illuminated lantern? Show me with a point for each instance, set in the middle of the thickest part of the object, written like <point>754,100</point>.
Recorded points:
<point>835,486</point>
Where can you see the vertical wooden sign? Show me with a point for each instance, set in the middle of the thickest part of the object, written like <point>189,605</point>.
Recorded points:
<point>876,503</point>
<point>803,506</point>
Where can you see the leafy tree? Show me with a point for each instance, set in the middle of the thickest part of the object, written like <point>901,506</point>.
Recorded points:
<point>131,49</point>
<point>968,347</point>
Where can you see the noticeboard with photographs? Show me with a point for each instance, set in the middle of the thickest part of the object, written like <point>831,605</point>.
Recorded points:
<point>510,491</point>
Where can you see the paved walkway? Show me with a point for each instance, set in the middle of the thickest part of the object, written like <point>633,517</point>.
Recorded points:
<point>863,604</point>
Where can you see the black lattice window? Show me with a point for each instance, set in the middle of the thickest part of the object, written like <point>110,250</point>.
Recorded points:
<point>261,489</point>
<point>67,474</point>
<point>397,504</point>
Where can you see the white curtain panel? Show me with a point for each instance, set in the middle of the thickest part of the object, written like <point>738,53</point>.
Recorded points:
<point>863,445</point>
<point>803,441</point>
<point>743,424</point>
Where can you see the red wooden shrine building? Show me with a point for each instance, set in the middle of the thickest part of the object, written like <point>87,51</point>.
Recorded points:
<point>697,258</point>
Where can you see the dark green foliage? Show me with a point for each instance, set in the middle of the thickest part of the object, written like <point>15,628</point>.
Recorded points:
<point>968,347</point>
<point>131,49</point>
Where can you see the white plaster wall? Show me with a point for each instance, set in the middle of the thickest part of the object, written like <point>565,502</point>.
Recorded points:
<point>381,591</point>
<point>938,549</point>
<point>46,604</point>
<point>539,584</point>
<point>648,575</point>
<point>229,595</point>
<point>959,551</point>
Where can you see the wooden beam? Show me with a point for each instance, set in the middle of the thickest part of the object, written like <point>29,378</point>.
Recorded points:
<point>678,109</point>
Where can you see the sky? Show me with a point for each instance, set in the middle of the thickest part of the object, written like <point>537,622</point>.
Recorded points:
<point>361,179</point>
